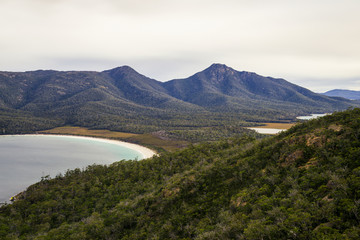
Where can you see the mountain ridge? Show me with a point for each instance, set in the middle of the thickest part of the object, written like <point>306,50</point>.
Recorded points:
<point>121,98</point>
<point>225,83</point>
<point>344,93</point>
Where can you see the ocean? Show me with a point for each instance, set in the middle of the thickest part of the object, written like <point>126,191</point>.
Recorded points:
<point>25,159</point>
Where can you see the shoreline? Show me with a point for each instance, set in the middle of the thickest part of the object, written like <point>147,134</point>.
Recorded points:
<point>268,131</point>
<point>144,151</point>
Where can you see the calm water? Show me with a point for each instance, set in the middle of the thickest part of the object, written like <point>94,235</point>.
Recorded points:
<point>24,159</point>
<point>267,130</point>
<point>312,116</point>
<point>275,131</point>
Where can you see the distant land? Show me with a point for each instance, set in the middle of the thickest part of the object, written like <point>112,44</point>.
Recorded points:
<point>214,103</point>
<point>349,94</point>
<point>301,184</point>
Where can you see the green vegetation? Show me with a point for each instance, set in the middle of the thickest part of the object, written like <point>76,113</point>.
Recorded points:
<point>207,106</point>
<point>15,121</point>
<point>301,184</point>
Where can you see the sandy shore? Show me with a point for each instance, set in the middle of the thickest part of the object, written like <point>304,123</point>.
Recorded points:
<point>145,152</point>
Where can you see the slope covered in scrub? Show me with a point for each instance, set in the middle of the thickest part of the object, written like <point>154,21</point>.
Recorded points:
<point>301,184</point>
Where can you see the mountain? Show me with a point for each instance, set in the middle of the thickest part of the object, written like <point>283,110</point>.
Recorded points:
<point>349,94</point>
<point>222,87</point>
<point>53,89</point>
<point>124,100</point>
<point>143,90</point>
<point>301,184</point>
<point>110,99</point>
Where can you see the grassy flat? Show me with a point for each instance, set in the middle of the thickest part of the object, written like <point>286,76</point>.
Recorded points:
<point>147,140</point>
<point>88,132</point>
<point>277,125</point>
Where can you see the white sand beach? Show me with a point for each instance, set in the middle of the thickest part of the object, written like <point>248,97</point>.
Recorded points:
<point>144,151</point>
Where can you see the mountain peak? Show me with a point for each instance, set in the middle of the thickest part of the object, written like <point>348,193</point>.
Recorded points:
<point>218,72</point>
<point>123,69</point>
<point>219,67</point>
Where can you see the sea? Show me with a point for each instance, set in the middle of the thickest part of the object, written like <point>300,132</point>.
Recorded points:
<point>312,116</point>
<point>25,159</point>
<point>275,130</point>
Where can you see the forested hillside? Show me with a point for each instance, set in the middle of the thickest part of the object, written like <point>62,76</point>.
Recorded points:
<point>122,99</point>
<point>301,184</point>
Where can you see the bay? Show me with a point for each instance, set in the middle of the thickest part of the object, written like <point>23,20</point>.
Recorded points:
<point>24,159</point>
<point>266,130</point>
<point>312,116</point>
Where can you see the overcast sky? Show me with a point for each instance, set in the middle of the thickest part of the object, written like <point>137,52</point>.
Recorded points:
<point>312,43</point>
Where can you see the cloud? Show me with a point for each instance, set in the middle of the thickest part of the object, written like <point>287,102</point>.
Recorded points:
<point>300,39</point>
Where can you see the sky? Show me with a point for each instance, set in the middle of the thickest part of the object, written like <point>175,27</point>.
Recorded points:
<point>312,43</point>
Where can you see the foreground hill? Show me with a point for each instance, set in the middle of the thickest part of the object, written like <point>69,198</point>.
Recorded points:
<point>349,94</point>
<point>122,99</point>
<point>301,184</point>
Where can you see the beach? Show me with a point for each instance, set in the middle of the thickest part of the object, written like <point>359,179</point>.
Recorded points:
<point>144,151</point>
